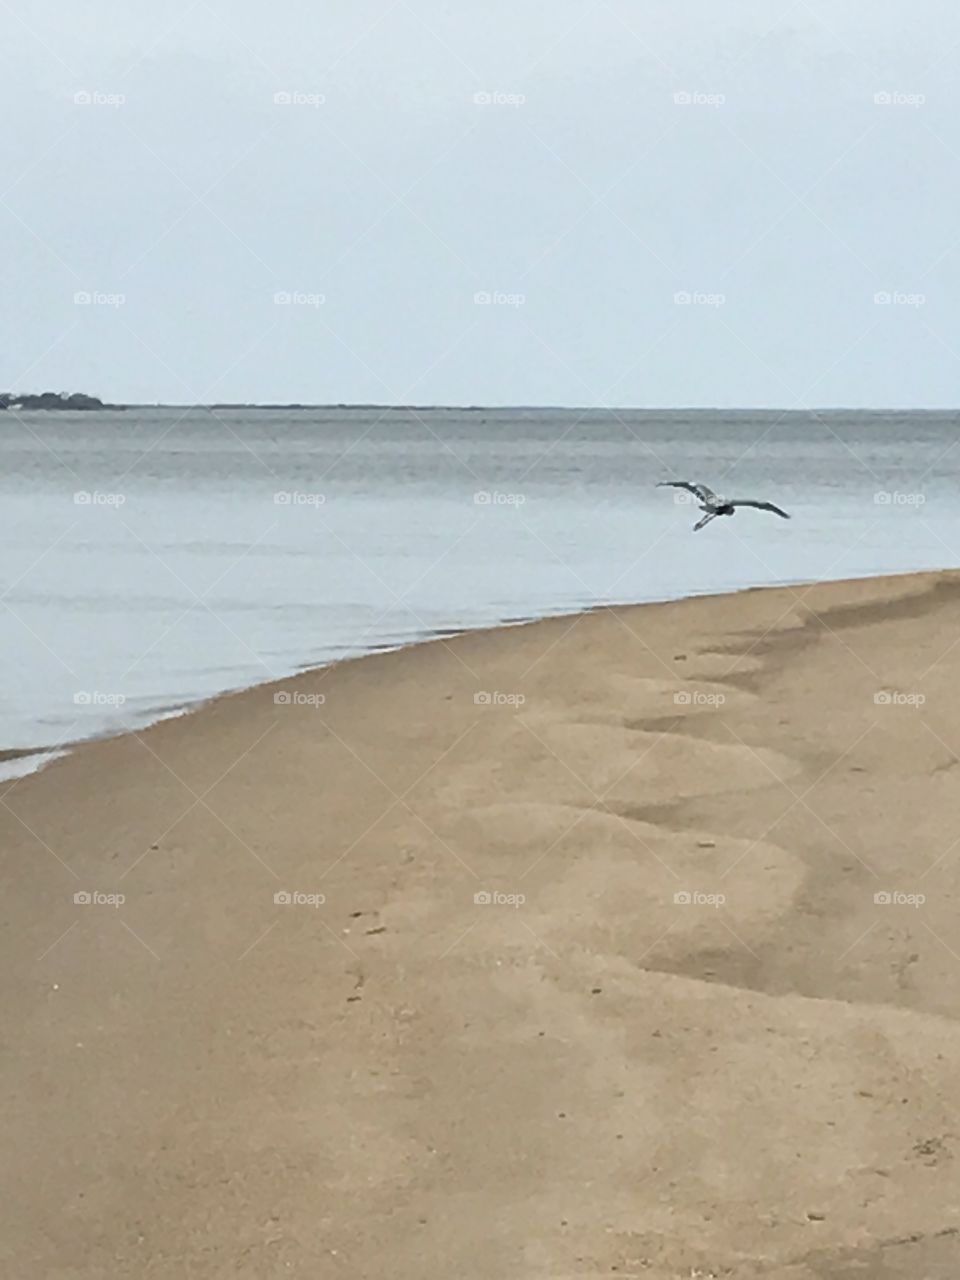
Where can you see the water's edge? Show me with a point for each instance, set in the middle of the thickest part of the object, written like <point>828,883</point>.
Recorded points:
<point>17,763</point>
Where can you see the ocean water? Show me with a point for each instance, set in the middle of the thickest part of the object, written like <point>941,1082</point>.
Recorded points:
<point>154,557</point>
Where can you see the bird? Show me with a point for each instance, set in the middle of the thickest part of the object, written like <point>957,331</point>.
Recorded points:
<point>712,506</point>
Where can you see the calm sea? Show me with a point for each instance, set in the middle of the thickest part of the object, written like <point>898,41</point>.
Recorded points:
<point>154,557</point>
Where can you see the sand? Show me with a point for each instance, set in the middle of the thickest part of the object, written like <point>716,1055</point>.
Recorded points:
<point>681,1038</point>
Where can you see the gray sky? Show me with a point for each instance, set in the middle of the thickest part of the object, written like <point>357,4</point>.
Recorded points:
<point>576,193</point>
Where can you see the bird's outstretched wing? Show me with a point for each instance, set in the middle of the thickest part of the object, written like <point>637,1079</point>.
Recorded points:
<point>761,506</point>
<point>698,490</point>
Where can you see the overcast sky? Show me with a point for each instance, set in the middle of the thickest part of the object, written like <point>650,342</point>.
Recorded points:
<point>496,202</point>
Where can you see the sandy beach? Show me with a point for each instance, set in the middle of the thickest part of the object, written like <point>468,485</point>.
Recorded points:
<point>619,944</point>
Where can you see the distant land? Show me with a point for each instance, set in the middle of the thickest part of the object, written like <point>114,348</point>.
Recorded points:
<point>53,400</point>
<point>79,400</point>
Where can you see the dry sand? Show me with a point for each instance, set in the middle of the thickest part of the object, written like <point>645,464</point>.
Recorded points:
<point>601,1080</point>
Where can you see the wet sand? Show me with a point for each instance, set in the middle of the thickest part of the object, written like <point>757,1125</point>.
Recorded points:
<point>580,964</point>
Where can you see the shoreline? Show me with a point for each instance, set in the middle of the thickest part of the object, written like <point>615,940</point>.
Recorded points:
<point>43,756</point>
<point>611,942</point>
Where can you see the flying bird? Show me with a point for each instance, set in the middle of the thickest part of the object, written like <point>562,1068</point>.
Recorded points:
<point>712,506</point>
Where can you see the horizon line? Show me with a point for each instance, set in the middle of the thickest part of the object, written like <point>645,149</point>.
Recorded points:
<point>476,407</point>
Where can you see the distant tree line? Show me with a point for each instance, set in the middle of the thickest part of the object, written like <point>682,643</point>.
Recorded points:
<point>50,400</point>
